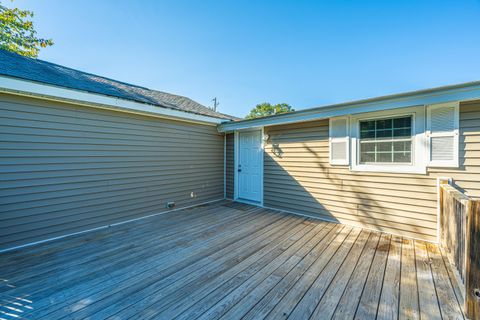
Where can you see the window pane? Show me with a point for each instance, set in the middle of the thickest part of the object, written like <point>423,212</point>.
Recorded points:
<point>384,157</point>
<point>384,133</point>
<point>384,124</point>
<point>367,134</point>
<point>368,147</point>
<point>402,146</point>
<point>402,133</point>
<point>367,125</point>
<point>402,122</point>
<point>402,157</point>
<point>367,157</point>
<point>384,146</point>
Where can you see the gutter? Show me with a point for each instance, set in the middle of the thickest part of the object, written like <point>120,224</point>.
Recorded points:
<point>460,92</point>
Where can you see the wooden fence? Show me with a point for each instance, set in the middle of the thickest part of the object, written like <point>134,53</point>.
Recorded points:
<point>460,241</point>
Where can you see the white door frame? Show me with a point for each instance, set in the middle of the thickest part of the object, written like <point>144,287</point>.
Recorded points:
<point>235,165</point>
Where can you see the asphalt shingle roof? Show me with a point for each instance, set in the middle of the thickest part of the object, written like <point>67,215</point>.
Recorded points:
<point>14,65</point>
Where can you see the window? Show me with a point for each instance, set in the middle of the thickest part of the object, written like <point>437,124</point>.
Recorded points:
<point>403,140</point>
<point>391,141</point>
<point>386,141</point>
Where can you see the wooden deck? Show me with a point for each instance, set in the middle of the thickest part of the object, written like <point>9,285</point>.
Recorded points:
<point>231,261</point>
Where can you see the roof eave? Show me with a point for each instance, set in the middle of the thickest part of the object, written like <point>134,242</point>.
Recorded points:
<point>460,92</point>
<point>33,89</point>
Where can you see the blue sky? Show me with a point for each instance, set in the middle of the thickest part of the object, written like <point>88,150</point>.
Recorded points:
<point>305,53</point>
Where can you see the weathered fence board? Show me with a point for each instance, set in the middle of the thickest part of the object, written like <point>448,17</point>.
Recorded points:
<point>472,281</point>
<point>460,241</point>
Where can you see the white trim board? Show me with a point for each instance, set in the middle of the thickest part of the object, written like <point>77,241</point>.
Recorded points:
<point>460,92</point>
<point>104,227</point>
<point>32,89</point>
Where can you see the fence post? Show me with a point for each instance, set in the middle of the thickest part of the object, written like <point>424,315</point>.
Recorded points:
<point>440,196</point>
<point>472,281</point>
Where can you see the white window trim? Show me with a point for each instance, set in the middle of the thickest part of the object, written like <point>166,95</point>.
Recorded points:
<point>456,134</point>
<point>419,154</point>
<point>345,139</point>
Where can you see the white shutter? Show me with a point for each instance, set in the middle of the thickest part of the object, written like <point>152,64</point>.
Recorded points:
<point>339,141</point>
<point>443,134</point>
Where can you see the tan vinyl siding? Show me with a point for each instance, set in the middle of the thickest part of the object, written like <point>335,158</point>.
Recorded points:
<point>299,178</point>
<point>65,169</point>
<point>229,163</point>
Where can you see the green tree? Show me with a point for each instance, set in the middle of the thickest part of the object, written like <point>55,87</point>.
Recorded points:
<point>18,34</point>
<point>267,109</point>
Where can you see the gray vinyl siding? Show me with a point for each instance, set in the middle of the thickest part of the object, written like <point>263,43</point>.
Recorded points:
<point>65,168</point>
<point>299,178</point>
<point>229,163</point>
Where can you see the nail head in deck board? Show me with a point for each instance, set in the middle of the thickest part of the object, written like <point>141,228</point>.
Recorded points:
<point>389,298</point>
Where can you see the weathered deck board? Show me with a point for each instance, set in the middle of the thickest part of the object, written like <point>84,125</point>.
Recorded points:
<point>347,306</point>
<point>388,306</point>
<point>227,261</point>
<point>408,308</point>
<point>368,305</point>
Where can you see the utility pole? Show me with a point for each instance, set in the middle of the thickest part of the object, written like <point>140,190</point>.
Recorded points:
<point>215,103</point>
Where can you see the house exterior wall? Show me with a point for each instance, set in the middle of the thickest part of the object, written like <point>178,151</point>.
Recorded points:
<point>229,165</point>
<point>299,178</point>
<point>66,169</point>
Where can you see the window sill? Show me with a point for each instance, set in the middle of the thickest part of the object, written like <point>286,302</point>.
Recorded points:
<point>390,169</point>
